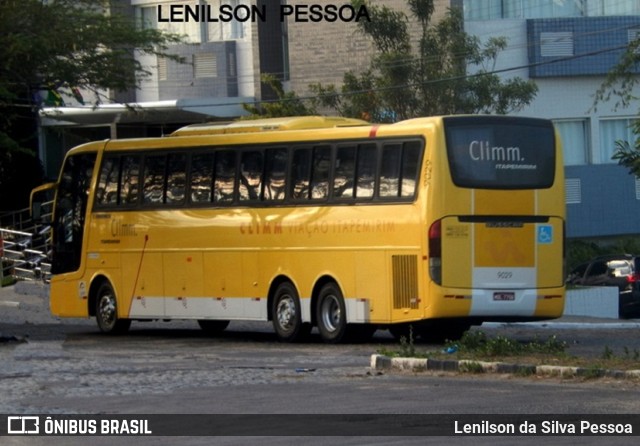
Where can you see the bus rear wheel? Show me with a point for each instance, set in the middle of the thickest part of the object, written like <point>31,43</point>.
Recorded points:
<point>107,311</point>
<point>331,314</point>
<point>287,315</point>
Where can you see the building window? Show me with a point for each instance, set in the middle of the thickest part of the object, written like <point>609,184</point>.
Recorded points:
<point>575,141</point>
<point>191,30</point>
<point>205,65</point>
<point>482,9</point>
<point>235,28</point>
<point>607,7</point>
<point>539,9</point>
<point>223,30</point>
<point>633,35</point>
<point>611,131</point>
<point>522,9</point>
<point>556,44</point>
<point>148,17</point>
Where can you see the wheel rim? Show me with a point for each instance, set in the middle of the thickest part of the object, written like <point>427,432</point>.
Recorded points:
<point>107,310</point>
<point>331,313</point>
<point>286,313</point>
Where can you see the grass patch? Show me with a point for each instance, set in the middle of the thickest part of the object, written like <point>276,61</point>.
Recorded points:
<point>7,281</point>
<point>475,345</point>
<point>471,367</point>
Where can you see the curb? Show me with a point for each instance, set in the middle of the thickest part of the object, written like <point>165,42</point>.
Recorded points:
<point>382,362</point>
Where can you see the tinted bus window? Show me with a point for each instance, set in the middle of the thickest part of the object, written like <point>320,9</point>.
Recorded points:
<point>410,168</point>
<point>251,166</point>
<point>153,189</point>
<point>129,179</point>
<point>202,177</point>
<point>320,172</point>
<point>225,175</point>
<point>300,174</point>
<point>390,170</point>
<point>107,192</point>
<point>345,171</point>
<point>275,174</point>
<point>176,179</point>
<point>366,171</point>
<point>493,154</point>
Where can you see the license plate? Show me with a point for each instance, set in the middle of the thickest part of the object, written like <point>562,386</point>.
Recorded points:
<point>504,296</point>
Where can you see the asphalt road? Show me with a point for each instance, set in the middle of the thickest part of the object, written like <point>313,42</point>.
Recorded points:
<point>50,366</point>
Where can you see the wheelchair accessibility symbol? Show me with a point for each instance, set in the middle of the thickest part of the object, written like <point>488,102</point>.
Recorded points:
<point>545,234</point>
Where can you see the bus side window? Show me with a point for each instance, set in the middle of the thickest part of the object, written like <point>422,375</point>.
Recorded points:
<point>154,170</point>
<point>275,174</point>
<point>176,178</point>
<point>225,176</point>
<point>320,172</point>
<point>410,168</point>
<point>251,166</point>
<point>129,180</point>
<point>107,191</point>
<point>390,170</point>
<point>366,170</point>
<point>300,174</point>
<point>202,177</point>
<point>345,171</point>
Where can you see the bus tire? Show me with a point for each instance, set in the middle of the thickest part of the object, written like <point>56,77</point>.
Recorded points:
<point>331,314</point>
<point>107,311</point>
<point>212,326</point>
<point>287,314</point>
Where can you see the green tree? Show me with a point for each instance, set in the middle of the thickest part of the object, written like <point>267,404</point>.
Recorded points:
<point>619,84</point>
<point>286,104</point>
<point>628,154</point>
<point>404,82</point>
<point>56,45</point>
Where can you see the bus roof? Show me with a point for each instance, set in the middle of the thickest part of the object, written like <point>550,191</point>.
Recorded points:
<point>269,124</point>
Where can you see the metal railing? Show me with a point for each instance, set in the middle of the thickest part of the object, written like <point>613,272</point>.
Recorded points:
<point>25,245</point>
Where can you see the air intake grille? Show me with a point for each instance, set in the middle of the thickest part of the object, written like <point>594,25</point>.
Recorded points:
<point>405,281</point>
<point>556,44</point>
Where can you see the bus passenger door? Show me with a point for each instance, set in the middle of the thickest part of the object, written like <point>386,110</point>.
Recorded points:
<point>70,212</point>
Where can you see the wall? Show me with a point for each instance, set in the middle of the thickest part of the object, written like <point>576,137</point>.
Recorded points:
<point>322,52</point>
<point>609,205</point>
<point>592,302</point>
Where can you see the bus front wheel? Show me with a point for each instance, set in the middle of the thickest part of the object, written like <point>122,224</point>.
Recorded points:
<point>107,311</point>
<point>331,314</point>
<point>287,315</point>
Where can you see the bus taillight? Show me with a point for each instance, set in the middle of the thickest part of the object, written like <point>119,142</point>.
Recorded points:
<point>435,252</point>
<point>633,278</point>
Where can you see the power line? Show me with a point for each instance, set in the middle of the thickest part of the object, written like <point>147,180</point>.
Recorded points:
<point>457,78</point>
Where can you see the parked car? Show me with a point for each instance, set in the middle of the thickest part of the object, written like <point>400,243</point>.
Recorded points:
<point>622,271</point>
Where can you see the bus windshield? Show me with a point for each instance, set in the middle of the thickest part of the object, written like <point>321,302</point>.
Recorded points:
<point>486,154</point>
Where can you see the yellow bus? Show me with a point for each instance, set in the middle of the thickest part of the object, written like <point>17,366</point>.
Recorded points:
<point>432,223</point>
